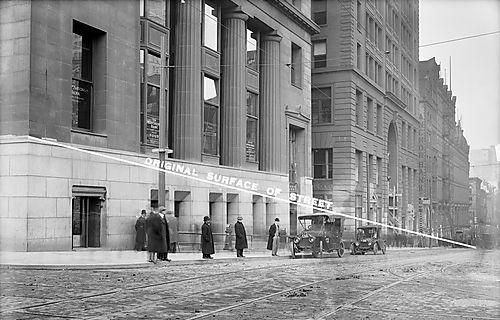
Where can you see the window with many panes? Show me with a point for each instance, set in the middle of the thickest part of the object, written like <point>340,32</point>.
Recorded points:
<point>370,115</point>
<point>210,116</point>
<point>81,82</point>
<point>210,26</point>
<point>251,147</point>
<point>155,10</point>
<point>319,54</point>
<point>318,8</point>
<point>321,105</point>
<point>323,163</point>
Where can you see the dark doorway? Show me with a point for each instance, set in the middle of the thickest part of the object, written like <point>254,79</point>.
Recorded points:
<point>86,222</point>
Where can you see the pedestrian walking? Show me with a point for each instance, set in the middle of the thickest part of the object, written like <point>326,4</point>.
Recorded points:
<point>274,237</point>
<point>173,230</point>
<point>207,239</point>
<point>140,232</point>
<point>241,237</point>
<point>165,239</point>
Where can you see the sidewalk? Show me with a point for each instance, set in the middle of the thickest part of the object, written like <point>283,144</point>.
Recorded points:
<point>108,259</point>
<point>105,259</point>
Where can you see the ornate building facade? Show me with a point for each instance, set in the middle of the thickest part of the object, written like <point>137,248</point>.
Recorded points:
<point>444,158</point>
<point>365,110</point>
<point>224,84</point>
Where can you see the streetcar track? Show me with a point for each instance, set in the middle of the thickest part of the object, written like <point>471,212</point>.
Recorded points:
<point>419,313</point>
<point>133,288</point>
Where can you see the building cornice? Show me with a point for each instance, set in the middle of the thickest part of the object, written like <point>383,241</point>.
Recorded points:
<point>292,12</point>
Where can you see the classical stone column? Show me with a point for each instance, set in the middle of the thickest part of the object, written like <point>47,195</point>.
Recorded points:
<point>270,108</point>
<point>187,105</point>
<point>233,104</point>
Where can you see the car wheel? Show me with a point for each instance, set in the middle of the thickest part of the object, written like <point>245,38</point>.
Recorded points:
<point>375,248</point>
<point>340,251</point>
<point>315,254</point>
<point>293,250</point>
<point>353,249</point>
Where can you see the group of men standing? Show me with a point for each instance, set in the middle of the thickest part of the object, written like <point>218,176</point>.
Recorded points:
<point>161,229</point>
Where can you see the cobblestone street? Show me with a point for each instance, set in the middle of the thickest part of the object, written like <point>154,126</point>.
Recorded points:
<point>411,284</point>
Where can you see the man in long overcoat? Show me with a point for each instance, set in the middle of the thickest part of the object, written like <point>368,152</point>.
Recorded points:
<point>241,237</point>
<point>165,236</point>
<point>140,232</point>
<point>273,240</point>
<point>207,239</point>
<point>173,230</point>
<point>156,236</point>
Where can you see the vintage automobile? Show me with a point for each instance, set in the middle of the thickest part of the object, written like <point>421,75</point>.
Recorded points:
<point>320,233</point>
<point>368,239</point>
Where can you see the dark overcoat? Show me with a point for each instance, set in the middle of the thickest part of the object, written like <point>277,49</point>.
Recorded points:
<point>140,233</point>
<point>207,239</point>
<point>165,233</point>
<point>156,233</point>
<point>241,236</point>
<point>272,232</point>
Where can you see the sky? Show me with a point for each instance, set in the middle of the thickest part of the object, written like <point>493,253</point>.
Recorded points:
<point>475,62</point>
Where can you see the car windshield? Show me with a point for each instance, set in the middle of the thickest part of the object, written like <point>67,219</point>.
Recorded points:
<point>312,223</point>
<point>366,233</point>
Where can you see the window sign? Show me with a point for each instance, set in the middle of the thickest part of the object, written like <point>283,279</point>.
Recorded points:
<point>153,116</point>
<point>210,124</point>
<point>81,102</point>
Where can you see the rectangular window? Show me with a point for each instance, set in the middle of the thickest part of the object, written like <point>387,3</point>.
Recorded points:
<point>403,134</point>
<point>380,120</point>
<point>252,55</point>
<point>379,172</point>
<point>296,65</point>
<point>210,27</point>
<point>319,11</point>
<point>156,10</point>
<point>358,170</point>
<point>252,127</point>
<point>210,116</point>
<point>358,56</point>
<point>358,208</point>
<point>321,105</point>
<point>319,54</point>
<point>82,84</point>
<point>359,108</point>
<point>359,15</point>
<point>370,115</point>
<point>323,163</point>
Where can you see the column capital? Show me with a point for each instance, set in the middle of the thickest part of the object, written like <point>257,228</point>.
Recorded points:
<point>234,13</point>
<point>271,36</point>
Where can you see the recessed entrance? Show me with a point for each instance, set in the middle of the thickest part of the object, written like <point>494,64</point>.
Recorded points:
<point>86,216</point>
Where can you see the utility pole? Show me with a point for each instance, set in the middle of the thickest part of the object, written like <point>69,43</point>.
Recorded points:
<point>163,148</point>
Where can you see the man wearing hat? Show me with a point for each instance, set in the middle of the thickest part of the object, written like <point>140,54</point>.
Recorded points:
<point>207,239</point>
<point>274,238</point>
<point>241,237</point>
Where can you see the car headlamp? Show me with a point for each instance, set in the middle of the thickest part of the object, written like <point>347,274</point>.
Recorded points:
<point>296,240</point>
<point>311,239</point>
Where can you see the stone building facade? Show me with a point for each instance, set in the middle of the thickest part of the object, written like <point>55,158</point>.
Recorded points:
<point>444,157</point>
<point>231,92</point>
<point>365,110</point>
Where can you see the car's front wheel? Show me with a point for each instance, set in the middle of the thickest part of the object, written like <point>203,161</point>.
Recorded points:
<point>340,250</point>
<point>353,249</point>
<point>375,248</point>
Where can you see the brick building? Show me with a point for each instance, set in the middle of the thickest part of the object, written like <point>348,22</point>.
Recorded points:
<point>444,156</point>
<point>364,109</point>
<point>88,74</point>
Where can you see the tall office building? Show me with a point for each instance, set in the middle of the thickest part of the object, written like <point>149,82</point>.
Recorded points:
<point>444,157</point>
<point>229,94</point>
<point>365,110</point>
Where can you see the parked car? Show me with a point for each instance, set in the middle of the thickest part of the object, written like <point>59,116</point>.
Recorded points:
<point>368,239</point>
<point>320,233</point>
